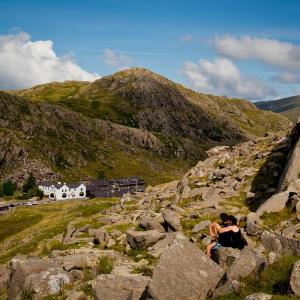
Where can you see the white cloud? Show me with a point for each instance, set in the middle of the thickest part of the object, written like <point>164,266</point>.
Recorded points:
<point>115,59</point>
<point>187,38</point>
<point>286,77</point>
<point>24,63</point>
<point>270,51</point>
<point>221,76</point>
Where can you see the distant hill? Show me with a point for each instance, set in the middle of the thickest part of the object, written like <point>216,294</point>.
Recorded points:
<point>289,107</point>
<point>134,122</point>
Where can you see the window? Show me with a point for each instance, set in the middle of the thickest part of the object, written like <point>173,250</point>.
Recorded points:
<point>81,194</point>
<point>64,195</point>
<point>51,195</point>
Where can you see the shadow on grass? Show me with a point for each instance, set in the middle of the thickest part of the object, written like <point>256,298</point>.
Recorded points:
<point>268,180</point>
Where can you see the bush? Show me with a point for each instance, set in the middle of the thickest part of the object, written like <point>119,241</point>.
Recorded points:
<point>9,188</point>
<point>105,265</point>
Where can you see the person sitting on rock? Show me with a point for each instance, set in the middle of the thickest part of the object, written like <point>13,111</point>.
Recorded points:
<point>215,244</point>
<point>228,236</point>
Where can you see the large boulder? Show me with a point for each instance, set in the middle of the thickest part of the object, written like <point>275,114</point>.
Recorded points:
<point>226,256</point>
<point>248,263</point>
<point>143,239</point>
<point>119,287</point>
<point>151,224</point>
<point>184,272</point>
<point>100,236</point>
<point>20,268</point>
<point>274,204</point>
<point>49,282</point>
<point>295,278</point>
<point>172,219</point>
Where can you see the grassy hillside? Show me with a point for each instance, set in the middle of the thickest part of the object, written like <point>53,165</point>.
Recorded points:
<point>288,107</point>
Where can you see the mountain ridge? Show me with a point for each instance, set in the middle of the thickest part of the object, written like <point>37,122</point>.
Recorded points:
<point>136,112</point>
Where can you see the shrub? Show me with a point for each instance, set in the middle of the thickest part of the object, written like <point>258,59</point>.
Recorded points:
<point>105,265</point>
<point>9,188</point>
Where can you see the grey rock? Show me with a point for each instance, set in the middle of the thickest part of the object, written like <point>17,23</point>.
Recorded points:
<point>246,264</point>
<point>119,287</point>
<point>184,272</point>
<point>201,226</point>
<point>259,296</point>
<point>295,278</point>
<point>20,268</point>
<point>76,261</point>
<point>143,239</point>
<point>291,231</point>
<point>151,224</point>
<point>274,204</point>
<point>157,249</point>
<point>253,222</point>
<point>271,242</point>
<point>172,219</point>
<point>226,256</point>
<point>49,282</point>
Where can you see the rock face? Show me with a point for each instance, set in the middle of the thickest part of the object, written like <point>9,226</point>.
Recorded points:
<point>143,239</point>
<point>152,224</point>
<point>118,287</point>
<point>184,272</point>
<point>274,204</point>
<point>295,278</point>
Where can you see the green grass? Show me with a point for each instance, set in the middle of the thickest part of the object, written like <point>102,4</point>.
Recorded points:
<point>42,223</point>
<point>11,224</point>
<point>270,220</point>
<point>105,265</point>
<point>273,280</point>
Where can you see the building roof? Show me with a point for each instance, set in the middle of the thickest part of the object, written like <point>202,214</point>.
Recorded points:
<point>59,185</point>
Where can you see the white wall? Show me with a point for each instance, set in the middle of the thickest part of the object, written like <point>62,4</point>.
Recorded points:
<point>69,193</point>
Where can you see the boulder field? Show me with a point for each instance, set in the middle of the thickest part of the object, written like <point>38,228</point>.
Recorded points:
<point>151,245</point>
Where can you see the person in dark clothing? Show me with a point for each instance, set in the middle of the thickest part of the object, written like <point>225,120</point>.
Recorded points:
<point>228,236</point>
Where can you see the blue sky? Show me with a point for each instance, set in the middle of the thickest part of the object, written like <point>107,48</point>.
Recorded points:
<point>214,46</point>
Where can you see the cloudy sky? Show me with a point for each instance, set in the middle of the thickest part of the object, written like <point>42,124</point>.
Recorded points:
<point>248,49</point>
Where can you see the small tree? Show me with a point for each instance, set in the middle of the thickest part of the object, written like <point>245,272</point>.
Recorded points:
<point>29,184</point>
<point>9,188</point>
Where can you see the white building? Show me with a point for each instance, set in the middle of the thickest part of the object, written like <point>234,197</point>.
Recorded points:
<point>63,191</point>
